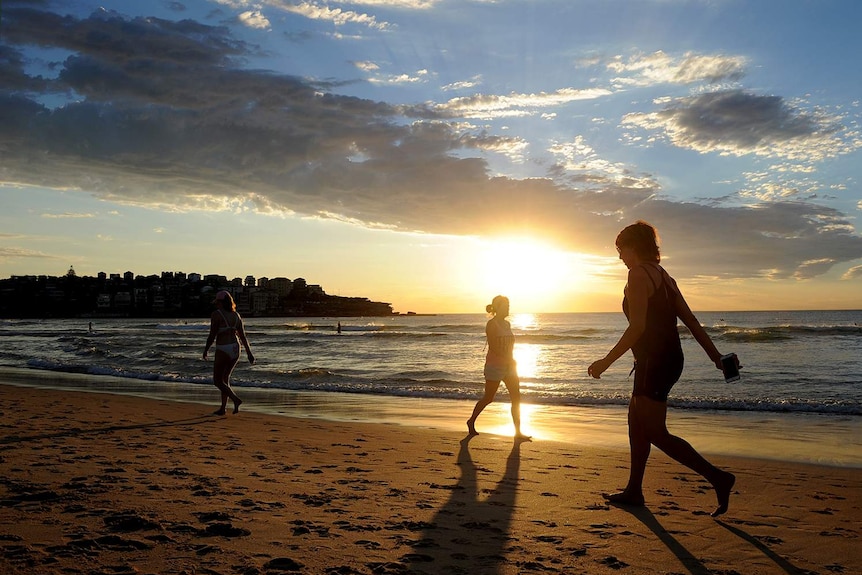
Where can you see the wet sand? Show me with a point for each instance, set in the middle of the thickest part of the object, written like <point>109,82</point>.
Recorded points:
<point>102,483</point>
<point>832,440</point>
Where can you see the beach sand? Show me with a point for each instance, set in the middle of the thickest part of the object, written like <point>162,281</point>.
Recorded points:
<point>96,483</point>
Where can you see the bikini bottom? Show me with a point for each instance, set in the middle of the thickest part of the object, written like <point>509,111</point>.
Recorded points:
<point>231,349</point>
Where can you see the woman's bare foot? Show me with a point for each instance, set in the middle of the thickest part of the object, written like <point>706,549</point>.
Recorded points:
<point>471,428</point>
<point>722,492</point>
<point>219,411</point>
<point>625,498</point>
<point>237,402</point>
<point>522,437</point>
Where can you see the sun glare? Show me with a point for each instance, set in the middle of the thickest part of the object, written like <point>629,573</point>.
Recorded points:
<point>528,357</point>
<point>534,275</point>
<point>524,322</point>
<point>497,419</point>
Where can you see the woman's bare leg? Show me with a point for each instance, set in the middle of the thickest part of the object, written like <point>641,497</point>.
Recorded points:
<point>639,451</point>
<point>218,371</point>
<point>223,367</point>
<point>486,399</point>
<point>654,414</point>
<point>514,388</point>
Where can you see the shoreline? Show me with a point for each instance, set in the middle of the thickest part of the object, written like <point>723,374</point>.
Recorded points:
<point>97,482</point>
<point>833,440</point>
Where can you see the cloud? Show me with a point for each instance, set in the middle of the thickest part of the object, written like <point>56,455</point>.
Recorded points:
<point>367,66</point>
<point>10,253</point>
<point>660,68</point>
<point>464,84</point>
<point>68,215</point>
<point>734,122</point>
<point>813,268</point>
<point>579,156</point>
<point>406,4</point>
<point>771,185</point>
<point>772,239</point>
<point>419,76</point>
<point>853,273</point>
<point>254,19</point>
<point>488,106</point>
<point>164,116</point>
<point>336,16</point>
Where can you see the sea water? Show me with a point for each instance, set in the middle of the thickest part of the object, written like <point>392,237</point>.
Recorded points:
<point>801,374</point>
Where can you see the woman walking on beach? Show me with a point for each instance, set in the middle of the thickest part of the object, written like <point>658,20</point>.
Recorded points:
<point>227,331</point>
<point>499,365</point>
<point>652,304</point>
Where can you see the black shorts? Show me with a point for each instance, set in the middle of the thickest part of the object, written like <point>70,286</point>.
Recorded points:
<point>655,375</point>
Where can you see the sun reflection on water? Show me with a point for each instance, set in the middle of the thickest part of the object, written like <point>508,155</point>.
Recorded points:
<point>524,322</point>
<point>527,356</point>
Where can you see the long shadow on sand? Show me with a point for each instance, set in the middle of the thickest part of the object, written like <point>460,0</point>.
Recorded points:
<point>469,533</point>
<point>780,561</point>
<point>645,516</point>
<point>78,431</point>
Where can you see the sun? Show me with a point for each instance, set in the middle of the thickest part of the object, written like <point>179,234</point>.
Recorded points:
<point>532,274</point>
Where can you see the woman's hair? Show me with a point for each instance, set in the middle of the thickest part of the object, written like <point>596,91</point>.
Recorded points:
<point>643,239</point>
<point>496,304</point>
<point>225,301</point>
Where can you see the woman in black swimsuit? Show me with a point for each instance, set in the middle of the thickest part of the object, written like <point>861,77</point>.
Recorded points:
<point>652,304</point>
<point>227,331</point>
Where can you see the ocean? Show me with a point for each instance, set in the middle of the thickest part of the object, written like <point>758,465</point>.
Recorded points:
<point>801,373</point>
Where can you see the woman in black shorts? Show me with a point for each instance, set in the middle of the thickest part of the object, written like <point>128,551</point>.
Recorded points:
<point>652,304</point>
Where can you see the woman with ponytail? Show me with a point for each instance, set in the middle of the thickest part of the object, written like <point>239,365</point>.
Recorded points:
<point>499,365</point>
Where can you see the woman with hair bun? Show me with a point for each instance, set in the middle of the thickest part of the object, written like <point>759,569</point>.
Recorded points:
<point>227,331</point>
<point>499,365</point>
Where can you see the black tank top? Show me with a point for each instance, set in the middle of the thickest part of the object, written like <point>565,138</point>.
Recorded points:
<point>661,337</point>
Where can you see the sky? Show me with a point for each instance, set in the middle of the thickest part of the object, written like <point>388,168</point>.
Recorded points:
<point>435,153</point>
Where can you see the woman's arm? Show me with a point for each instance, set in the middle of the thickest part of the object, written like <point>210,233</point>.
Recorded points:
<point>240,331</point>
<point>637,295</point>
<point>212,335</point>
<point>684,313</point>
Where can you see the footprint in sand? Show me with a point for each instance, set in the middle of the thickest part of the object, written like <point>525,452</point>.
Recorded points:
<point>613,562</point>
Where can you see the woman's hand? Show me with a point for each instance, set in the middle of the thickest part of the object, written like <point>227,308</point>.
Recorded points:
<point>250,356</point>
<point>597,368</point>
<point>721,367</point>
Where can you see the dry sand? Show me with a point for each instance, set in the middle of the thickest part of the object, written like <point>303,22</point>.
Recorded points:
<point>107,484</point>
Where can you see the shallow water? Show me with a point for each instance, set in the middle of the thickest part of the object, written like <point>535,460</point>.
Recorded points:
<point>794,362</point>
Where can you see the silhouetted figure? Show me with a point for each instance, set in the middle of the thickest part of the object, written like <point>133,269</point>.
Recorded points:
<point>227,331</point>
<point>499,365</point>
<point>652,304</point>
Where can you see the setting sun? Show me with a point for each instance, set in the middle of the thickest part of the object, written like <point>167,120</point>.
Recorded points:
<point>531,273</point>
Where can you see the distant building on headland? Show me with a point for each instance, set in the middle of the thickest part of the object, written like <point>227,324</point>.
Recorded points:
<point>172,294</point>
